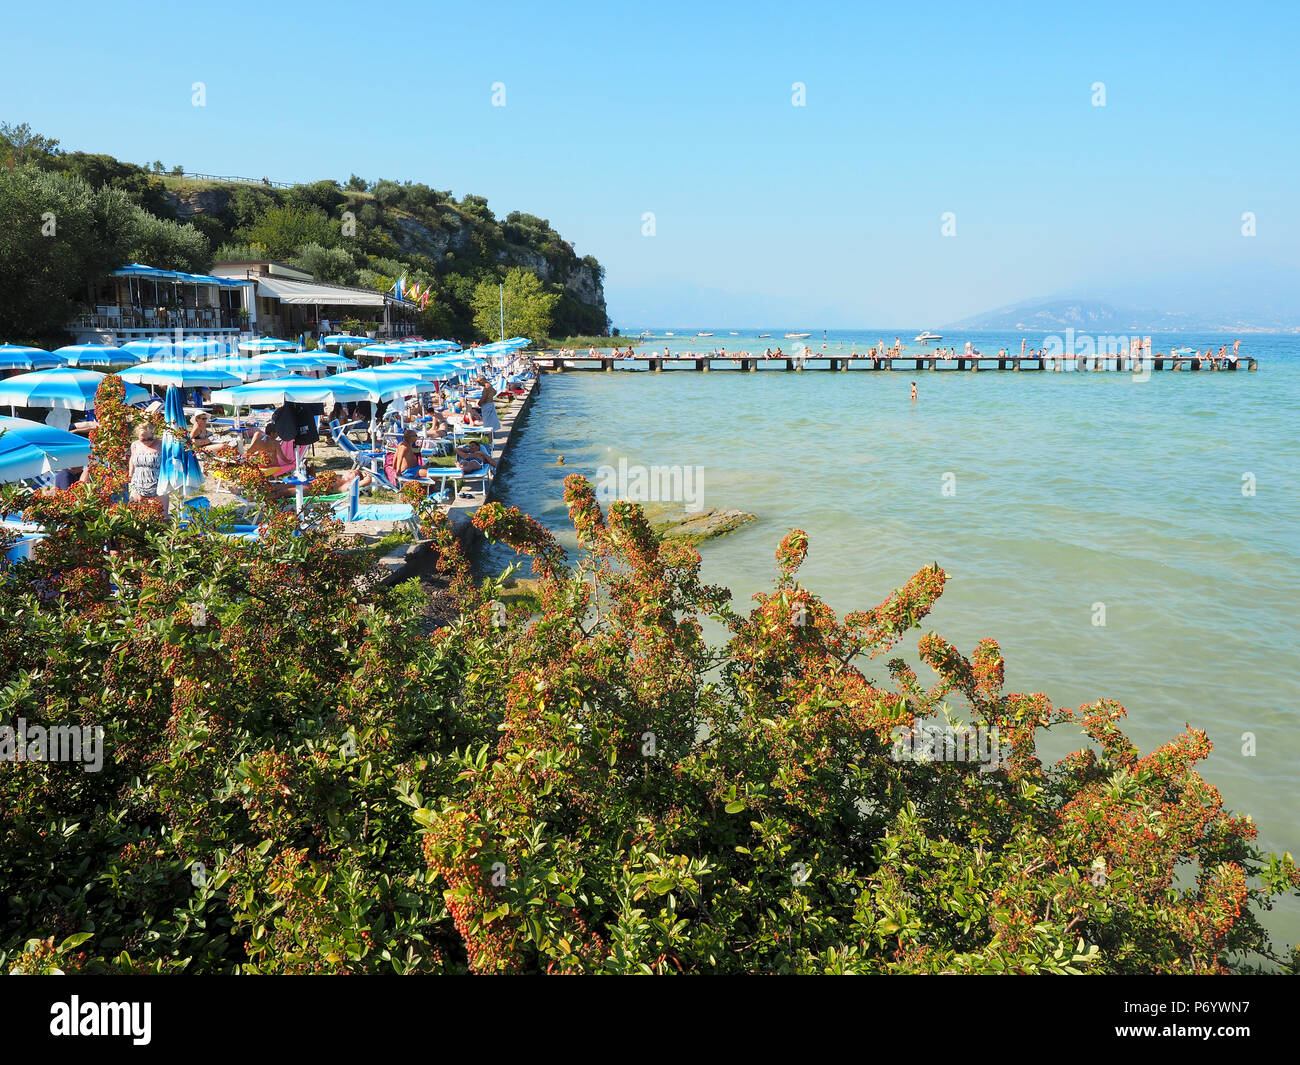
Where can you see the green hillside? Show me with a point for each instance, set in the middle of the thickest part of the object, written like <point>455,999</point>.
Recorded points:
<point>364,233</point>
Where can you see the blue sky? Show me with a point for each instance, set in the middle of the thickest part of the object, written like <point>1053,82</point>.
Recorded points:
<point>818,216</point>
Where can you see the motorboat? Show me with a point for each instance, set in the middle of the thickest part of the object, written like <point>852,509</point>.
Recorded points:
<point>927,338</point>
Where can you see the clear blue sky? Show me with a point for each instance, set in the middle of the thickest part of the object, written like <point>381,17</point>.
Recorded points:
<point>818,216</point>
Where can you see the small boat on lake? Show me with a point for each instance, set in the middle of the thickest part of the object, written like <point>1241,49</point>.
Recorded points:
<point>927,338</point>
<point>797,336</point>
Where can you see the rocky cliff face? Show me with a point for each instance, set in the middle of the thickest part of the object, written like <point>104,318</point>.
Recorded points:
<point>191,202</point>
<point>585,285</point>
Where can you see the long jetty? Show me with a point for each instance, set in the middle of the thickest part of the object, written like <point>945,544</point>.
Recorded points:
<point>794,364</point>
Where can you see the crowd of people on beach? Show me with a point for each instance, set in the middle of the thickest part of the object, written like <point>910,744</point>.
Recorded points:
<point>426,424</point>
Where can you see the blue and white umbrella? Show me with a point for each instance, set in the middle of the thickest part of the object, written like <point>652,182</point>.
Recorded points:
<point>244,369</point>
<point>98,355</point>
<point>17,357</point>
<point>29,449</point>
<point>266,344</point>
<point>324,358</point>
<point>155,348</point>
<point>62,386</point>
<point>178,468</point>
<point>181,375</point>
<point>432,345</point>
<point>386,351</point>
<point>290,363</point>
<point>430,369</point>
<point>290,389</point>
<point>341,339</point>
<point>382,386</point>
<point>203,348</point>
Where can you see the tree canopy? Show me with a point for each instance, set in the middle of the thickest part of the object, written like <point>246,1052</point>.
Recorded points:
<point>58,234</point>
<point>529,308</point>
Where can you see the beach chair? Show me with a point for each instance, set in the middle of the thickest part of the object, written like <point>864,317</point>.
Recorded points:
<point>362,458</point>
<point>352,509</point>
<point>446,476</point>
<point>21,549</point>
<point>200,505</point>
<point>484,473</point>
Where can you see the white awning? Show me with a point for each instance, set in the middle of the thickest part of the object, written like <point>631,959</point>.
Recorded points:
<point>310,292</point>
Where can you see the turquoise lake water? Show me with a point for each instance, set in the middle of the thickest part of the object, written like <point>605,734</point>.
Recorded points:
<point>1071,490</point>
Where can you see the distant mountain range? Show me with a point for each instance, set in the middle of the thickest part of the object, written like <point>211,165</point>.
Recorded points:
<point>1093,316</point>
<point>1256,299</point>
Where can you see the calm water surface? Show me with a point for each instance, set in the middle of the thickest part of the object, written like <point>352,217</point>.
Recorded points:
<point>1072,490</point>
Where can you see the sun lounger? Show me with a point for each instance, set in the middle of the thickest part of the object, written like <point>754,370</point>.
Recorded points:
<point>21,550</point>
<point>200,504</point>
<point>352,509</point>
<point>362,458</point>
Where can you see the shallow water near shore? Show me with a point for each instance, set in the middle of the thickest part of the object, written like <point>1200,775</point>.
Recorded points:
<point>1070,495</point>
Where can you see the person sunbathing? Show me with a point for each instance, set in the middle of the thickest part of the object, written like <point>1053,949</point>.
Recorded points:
<point>407,461</point>
<point>347,477</point>
<point>273,456</point>
<point>472,457</point>
<point>201,438</point>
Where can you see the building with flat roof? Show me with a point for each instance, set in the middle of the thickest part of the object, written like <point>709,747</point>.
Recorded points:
<point>140,302</point>
<point>288,301</point>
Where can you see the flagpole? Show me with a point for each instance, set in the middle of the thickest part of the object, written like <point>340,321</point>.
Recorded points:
<point>501,289</point>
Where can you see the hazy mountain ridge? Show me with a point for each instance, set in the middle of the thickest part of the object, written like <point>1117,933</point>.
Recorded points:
<point>1258,299</point>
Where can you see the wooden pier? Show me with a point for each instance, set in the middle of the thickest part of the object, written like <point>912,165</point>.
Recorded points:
<point>906,363</point>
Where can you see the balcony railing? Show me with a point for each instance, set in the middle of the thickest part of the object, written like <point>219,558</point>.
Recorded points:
<point>110,317</point>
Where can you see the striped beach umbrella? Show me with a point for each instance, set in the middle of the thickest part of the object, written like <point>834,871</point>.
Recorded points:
<point>181,375</point>
<point>432,345</point>
<point>263,344</point>
<point>204,348</point>
<point>178,468</point>
<point>17,357</point>
<point>290,389</point>
<point>291,363</point>
<point>244,369</point>
<point>386,351</point>
<point>154,348</point>
<point>430,369</point>
<point>382,386</point>
<point>324,358</point>
<point>62,386</point>
<point>29,449</point>
<point>98,355</point>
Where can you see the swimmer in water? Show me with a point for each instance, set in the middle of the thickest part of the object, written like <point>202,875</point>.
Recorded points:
<point>913,391</point>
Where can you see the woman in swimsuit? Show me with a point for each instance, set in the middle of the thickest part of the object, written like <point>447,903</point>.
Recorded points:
<point>201,438</point>
<point>274,457</point>
<point>143,465</point>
